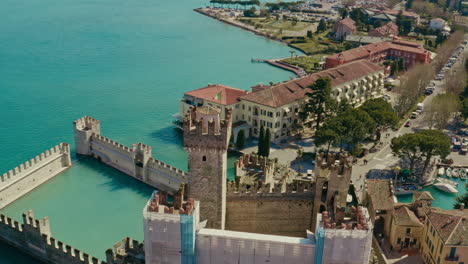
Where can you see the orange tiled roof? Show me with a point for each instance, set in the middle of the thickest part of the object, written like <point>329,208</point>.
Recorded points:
<point>345,22</point>
<point>385,30</point>
<point>218,93</point>
<point>290,91</point>
<point>364,51</point>
<point>451,225</point>
<point>381,194</point>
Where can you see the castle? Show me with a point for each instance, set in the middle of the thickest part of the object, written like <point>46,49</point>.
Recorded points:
<point>265,221</point>
<point>209,220</point>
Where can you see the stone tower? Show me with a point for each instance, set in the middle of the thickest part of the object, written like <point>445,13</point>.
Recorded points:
<point>142,153</point>
<point>333,178</point>
<point>84,128</point>
<point>206,139</point>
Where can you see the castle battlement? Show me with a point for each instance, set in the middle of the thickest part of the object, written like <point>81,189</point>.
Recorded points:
<point>157,164</point>
<point>125,249</point>
<point>357,221</point>
<point>46,156</point>
<point>111,142</point>
<point>33,237</point>
<point>202,126</point>
<point>159,204</point>
<point>87,123</point>
<point>291,190</point>
<point>333,164</point>
<point>142,148</point>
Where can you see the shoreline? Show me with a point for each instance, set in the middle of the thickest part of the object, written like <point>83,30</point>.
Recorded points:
<point>256,32</point>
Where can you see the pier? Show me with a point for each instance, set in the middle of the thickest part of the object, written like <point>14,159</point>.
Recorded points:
<point>285,66</point>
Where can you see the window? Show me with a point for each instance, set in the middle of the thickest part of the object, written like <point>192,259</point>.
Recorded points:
<point>204,158</point>
<point>237,106</point>
<point>243,106</point>
<point>408,230</point>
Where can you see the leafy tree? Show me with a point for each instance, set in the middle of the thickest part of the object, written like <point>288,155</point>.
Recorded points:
<point>401,64</point>
<point>241,140</point>
<point>267,142</point>
<point>382,113</point>
<point>320,100</point>
<point>462,199</point>
<point>357,15</point>
<point>407,146</point>
<point>351,127</point>
<point>325,136</point>
<point>322,26</point>
<point>408,4</point>
<point>250,12</point>
<point>347,45</point>
<point>378,23</point>
<point>394,68</point>
<point>464,110</point>
<point>343,12</point>
<point>261,142</point>
<point>434,143</point>
<point>310,34</point>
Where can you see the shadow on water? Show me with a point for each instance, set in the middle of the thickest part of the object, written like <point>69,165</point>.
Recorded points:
<point>170,134</point>
<point>116,180</point>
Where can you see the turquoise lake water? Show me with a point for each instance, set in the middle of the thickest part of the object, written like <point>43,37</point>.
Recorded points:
<point>126,63</point>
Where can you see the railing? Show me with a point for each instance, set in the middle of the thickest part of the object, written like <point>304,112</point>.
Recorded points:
<point>453,258</point>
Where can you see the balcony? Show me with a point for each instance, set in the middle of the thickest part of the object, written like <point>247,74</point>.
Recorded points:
<point>453,258</point>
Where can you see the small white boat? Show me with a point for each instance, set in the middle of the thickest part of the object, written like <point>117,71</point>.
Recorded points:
<point>448,172</point>
<point>443,180</point>
<point>445,187</point>
<point>441,171</point>
<point>463,173</point>
<point>455,172</point>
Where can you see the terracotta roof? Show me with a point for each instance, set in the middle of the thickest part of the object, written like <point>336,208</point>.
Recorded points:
<point>345,22</point>
<point>452,225</point>
<point>404,13</point>
<point>218,93</point>
<point>364,51</point>
<point>385,30</point>
<point>405,217</point>
<point>290,91</point>
<point>417,195</point>
<point>381,194</point>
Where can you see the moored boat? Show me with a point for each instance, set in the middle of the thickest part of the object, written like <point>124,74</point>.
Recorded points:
<point>448,172</point>
<point>463,173</point>
<point>455,172</point>
<point>441,171</point>
<point>445,187</point>
<point>443,180</point>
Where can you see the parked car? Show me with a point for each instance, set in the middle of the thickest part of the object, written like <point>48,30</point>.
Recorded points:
<point>408,124</point>
<point>428,91</point>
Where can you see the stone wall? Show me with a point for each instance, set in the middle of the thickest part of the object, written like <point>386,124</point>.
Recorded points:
<point>278,210</point>
<point>34,238</point>
<point>136,161</point>
<point>34,172</point>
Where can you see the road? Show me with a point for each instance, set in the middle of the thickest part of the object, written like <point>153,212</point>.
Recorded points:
<point>384,158</point>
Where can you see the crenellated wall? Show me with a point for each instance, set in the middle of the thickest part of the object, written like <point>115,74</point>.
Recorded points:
<point>136,161</point>
<point>34,238</point>
<point>282,209</point>
<point>34,172</point>
<point>261,168</point>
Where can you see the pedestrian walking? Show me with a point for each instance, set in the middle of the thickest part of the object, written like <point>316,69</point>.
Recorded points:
<point>365,162</point>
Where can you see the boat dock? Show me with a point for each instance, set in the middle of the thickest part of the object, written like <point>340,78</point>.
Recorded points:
<point>285,66</point>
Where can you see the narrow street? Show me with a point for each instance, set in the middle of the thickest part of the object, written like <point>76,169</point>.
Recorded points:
<point>384,158</point>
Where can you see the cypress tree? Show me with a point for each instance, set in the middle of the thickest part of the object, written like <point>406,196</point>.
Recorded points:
<point>261,142</point>
<point>240,142</point>
<point>267,143</point>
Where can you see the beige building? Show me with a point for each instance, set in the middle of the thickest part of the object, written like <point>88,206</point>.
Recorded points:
<point>445,237</point>
<point>277,107</point>
<point>406,230</point>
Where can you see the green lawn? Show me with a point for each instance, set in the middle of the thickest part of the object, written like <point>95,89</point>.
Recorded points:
<point>308,63</point>
<point>275,25</point>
